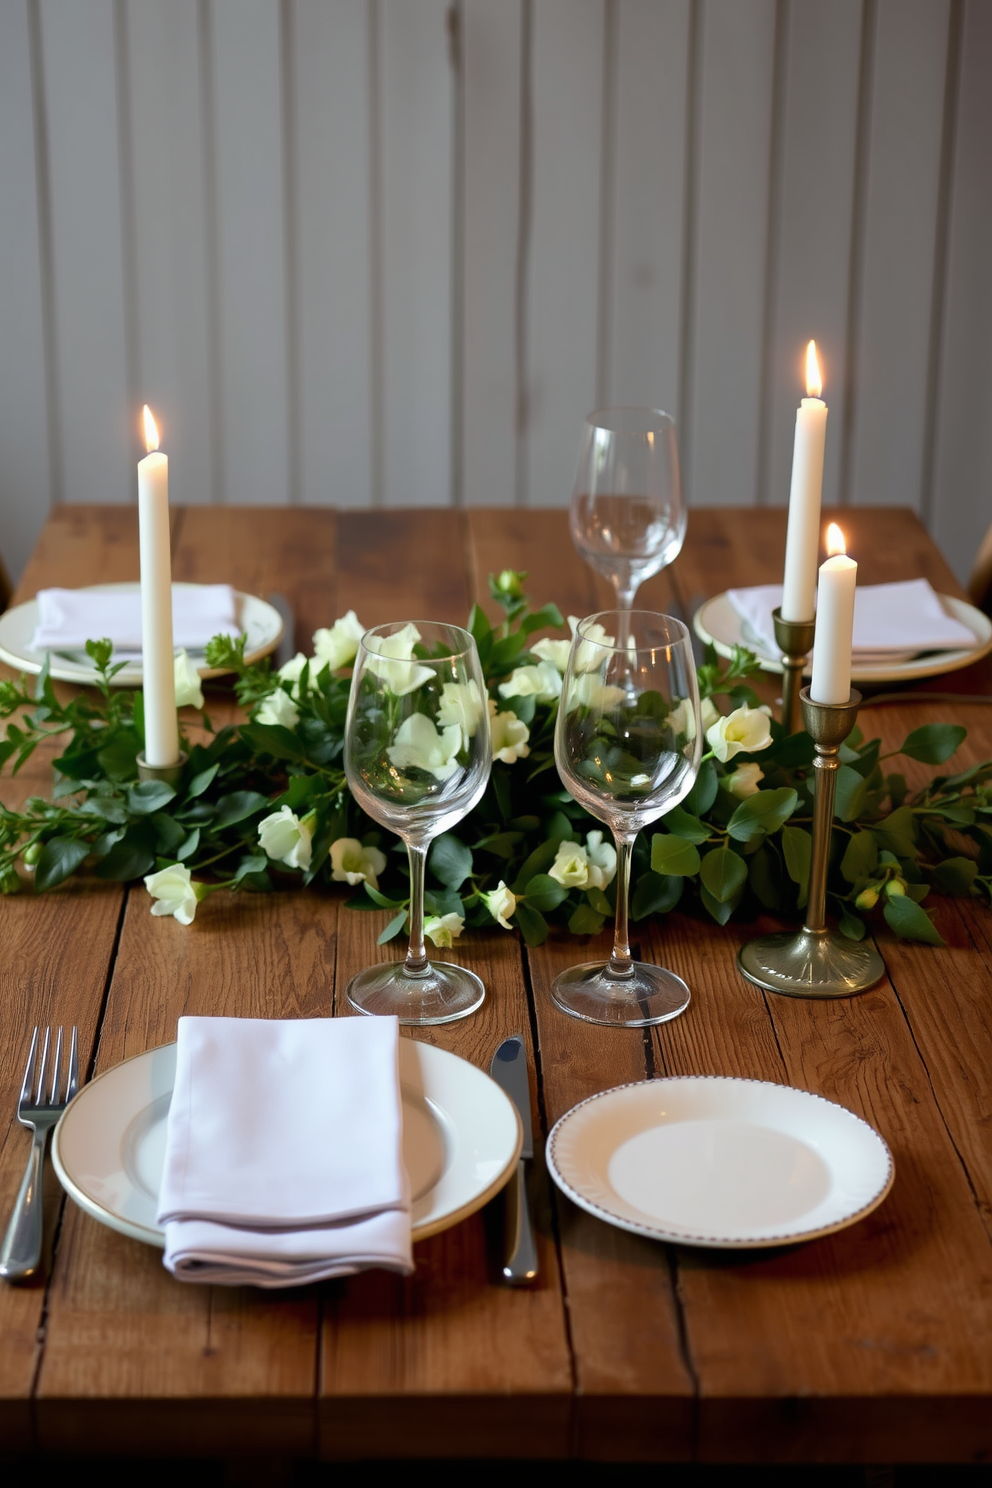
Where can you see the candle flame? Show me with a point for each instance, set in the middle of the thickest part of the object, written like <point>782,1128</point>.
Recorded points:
<point>151,430</point>
<point>836,541</point>
<point>814,382</point>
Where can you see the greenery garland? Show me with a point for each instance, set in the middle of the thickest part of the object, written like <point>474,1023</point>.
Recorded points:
<point>266,801</point>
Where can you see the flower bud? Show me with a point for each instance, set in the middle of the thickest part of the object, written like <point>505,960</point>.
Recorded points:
<point>868,898</point>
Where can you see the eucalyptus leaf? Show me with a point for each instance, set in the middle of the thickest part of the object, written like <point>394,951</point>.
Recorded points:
<point>761,813</point>
<point>797,849</point>
<point>683,824</point>
<point>955,875</point>
<point>585,921</point>
<point>720,909</point>
<point>850,796</point>
<point>673,855</point>
<point>934,742</point>
<point>723,873</point>
<point>533,926</point>
<point>910,921</point>
<point>60,857</point>
<point>450,860</point>
<point>655,893</point>
<point>860,857</point>
<point>545,893</point>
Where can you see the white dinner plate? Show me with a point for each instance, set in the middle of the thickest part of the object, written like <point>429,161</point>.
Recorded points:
<point>719,622</point>
<point>706,1160</point>
<point>260,623</point>
<point>461,1140</point>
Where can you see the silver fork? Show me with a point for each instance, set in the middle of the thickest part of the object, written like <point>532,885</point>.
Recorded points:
<point>21,1249</point>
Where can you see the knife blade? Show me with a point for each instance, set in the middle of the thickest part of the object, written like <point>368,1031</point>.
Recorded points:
<point>509,1070</point>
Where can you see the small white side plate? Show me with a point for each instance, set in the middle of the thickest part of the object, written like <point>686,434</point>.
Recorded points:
<point>717,1162</point>
<point>260,623</point>
<point>461,1140</point>
<point>718,622</point>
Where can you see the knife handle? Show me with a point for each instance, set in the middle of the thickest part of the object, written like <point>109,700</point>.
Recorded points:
<point>520,1266</point>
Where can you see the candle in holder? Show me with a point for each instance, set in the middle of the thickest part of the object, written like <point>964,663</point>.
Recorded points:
<point>831,681</point>
<point>157,665</point>
<point>803,537</point>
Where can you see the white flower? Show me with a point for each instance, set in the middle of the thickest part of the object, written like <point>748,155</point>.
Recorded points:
<point>189,691</point>
<point>709,713</point>
<point>589,654</point>
<point>287,838</point>
<point>278,708</point>
<point>500,903</point>
<point>541,681</point>
<point>510,735</point>
<point>174,892</point>
<point>290,671</point>
<point>461,706</point>
<point>589,691</point>
<point>571,866</point>
<point>554,651</point>
<point>444,930</point>
<point>352,863</point>
<point>682,720</point>
<point>744,781</point>
<point>746,729</point>
<point>338,646</point>
<point>418,745</point>
<point>602,861</point>
<point>391,660</point>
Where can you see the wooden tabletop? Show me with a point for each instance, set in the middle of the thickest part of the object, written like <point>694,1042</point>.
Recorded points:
<point>868,1345</point>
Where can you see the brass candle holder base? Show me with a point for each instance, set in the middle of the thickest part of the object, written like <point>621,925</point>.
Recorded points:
<point>816,962</point>
<point>169,774</point>
<point>795,641</point>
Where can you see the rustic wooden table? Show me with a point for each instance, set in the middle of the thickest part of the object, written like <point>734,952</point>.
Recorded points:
<point>870,1345</point>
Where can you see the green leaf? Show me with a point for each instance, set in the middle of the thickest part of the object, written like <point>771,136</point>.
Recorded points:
<point>132,857</point>
<point>860,857</point>
<point>934,743</point>
<point>797,849</point>
<point>545,893</point>
<point>539,860</point>
<point>703,793</point>
<point>450,860</point>
<point>599,901</point>
<point>765,878</point>
<point>585,921</point>
<point>674,855</point>
<point>149,796</point>
<point>955,875</point>
<point>60,857</point>
<point>380,899</point>
<point>909,920</point>
<point>850,798</point>
<point>254,863</point>
<point>897,832</point>
<point>393,928</point>
<point>478,624</point>
<point>202,781</point>
<point>683,824</point>
<point>548,617</point>
<point>169,834</point>
<point>500,844</point>
<point>117,759</point>
<point>237,807</point>
<point>189,846</point>
<point>721,910</point>
<point>850,926</point>
<point>533,926</point>
<point>655,893</point>
<point>272,738</point>
<point>723,873</point>
<point>764,812</point>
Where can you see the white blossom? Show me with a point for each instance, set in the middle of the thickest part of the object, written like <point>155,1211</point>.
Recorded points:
<point>500,903</point>
<point>189,689</point>
<point>443,930</point>
<point>461,706</point>
<point>542,681</point>
<point>287,838</point>
<point>174,892</point>
<point>588,653</point>
<point>744,781</point>
<point>352,863</point>
<point>509,734</point>
<point>418,745</point>
<point>745,730</point>
<point>571,866</point>
<point>338,646</point>
<point>554,651</point>
<point>391,659</point>
<point>291,671</point>
<point>602,858</point>
<point>278,708</point>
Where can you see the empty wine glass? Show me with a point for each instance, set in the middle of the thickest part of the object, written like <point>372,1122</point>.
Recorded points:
<point>627,746</point>
<point>627,518</point>
<point>417,759</point>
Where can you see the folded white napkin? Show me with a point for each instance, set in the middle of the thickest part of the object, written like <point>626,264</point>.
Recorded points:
<point>283,1160</point>
<point>891,621</point>
<point>68,618</point>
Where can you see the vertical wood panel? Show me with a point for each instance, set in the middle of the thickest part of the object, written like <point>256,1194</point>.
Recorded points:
<point>171,237</point>
<point>563,272</point>
<point>251,250</point>
<point>644,211</point>
<point>491,79</point>
<point>98,423</point>
<point>901,199</point>
<point>962,492</point>
<point>331,64</point>
<point>25,479</point>
<point>416,98</point>
<point>732,192</point>
<point>814,227</point>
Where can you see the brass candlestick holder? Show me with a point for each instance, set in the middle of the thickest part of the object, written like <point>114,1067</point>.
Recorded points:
<point>817,962</point>
<point>795,641</point>
<point>168,773</point>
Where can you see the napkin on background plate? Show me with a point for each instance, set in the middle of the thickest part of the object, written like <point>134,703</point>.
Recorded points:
<point>68,618</point>
<point>284,1160</point>
<point>892,622</point>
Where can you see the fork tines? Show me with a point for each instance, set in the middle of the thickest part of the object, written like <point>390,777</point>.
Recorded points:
<point>29,1073</point>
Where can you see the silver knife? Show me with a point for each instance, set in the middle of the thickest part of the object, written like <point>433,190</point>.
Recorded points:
<point>509,1070</point>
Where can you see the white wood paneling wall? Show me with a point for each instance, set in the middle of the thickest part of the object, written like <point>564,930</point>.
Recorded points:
<point>390,252</point>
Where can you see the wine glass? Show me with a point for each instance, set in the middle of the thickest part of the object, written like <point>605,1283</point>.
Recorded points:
<point>417,758</point>
<point>627,746</point>
<point>627,518</point>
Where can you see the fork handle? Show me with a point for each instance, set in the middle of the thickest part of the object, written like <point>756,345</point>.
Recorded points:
<point>21,1249</point>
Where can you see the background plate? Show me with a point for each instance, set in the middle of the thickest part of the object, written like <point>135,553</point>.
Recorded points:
<point>461,1140</point>
<point>257,619</point>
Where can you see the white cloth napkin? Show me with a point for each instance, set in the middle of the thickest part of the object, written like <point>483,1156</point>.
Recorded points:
<point>68,618</point>
<point>284,1160</point>
<point>891,621</point>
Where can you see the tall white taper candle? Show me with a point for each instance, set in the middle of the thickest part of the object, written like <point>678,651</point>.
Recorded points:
<point>157,665</point>
<point>803,537</point>
<point>831,680</point>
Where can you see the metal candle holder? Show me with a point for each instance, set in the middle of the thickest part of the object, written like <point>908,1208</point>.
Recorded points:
<point>817,962</point>
<point>169,774</point>
<point>795,641</point>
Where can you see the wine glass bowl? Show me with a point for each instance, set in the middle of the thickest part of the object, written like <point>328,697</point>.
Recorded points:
<point>627,518</point>
<point>628,741</point>
<point>417,760</point>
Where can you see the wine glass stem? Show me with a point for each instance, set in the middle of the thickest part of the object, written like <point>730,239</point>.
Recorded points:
<point>416,956</point>
<point>620,963</point>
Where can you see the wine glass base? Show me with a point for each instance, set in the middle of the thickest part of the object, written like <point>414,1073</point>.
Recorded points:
<point>442,994</point>
<point>650,995</point>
